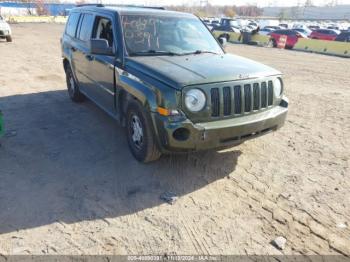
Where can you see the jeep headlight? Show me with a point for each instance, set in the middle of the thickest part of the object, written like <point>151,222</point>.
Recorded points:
<point>195,100</point>
<point>278,87</point>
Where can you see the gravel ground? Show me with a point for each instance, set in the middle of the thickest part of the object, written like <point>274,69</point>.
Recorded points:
<point>69,184</point>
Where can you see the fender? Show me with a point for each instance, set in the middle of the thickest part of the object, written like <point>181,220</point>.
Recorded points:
<point>137,88</point>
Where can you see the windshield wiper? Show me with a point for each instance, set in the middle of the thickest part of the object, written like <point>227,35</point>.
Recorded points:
<point>153,52</point>
<point>197,52</point>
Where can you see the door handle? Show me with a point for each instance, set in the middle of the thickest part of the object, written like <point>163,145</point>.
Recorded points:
<point>90,57</point>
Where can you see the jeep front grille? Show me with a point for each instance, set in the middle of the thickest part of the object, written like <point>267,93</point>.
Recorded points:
<point>240,99</point>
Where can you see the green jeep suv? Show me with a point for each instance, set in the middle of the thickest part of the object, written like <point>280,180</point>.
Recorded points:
<point>164,76</point>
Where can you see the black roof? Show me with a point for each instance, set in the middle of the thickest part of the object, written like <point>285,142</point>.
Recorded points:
<point>131,9</point>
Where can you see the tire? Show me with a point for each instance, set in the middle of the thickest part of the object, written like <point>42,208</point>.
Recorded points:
<point>140,134</point>
<point>73,87</point>
<point>272,43</point>
<point>9,38</point>
<point>225,36</point>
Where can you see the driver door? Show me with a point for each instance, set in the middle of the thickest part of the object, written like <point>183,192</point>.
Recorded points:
<point>101,67</point>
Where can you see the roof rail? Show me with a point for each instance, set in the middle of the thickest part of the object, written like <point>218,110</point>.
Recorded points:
<point>135,6</point>
<point>96,5</point>
<point>141,6</point>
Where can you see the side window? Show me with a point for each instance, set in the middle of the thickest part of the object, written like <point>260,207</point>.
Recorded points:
<point>103,30</point>
<point>72,24</point>
<point>86,27</point>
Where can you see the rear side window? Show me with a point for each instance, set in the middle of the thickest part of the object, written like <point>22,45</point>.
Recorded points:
<point>86,27</point>
<point>72,24</point>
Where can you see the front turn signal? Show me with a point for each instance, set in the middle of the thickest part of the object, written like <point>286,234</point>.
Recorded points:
<point>167,112</point>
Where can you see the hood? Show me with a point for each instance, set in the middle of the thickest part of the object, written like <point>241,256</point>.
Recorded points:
<point>180,71</point>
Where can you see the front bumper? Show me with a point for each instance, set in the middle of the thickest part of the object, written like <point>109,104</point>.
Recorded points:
<point>222,133</point>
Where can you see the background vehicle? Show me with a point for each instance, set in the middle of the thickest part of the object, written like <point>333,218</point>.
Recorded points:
<point>324,34</point>
<point>333,27</point>
<point>175,89</point>
<point>314,27</point>
<point>228,25</point>
<point>215,23</point>
<point>266,31</point>
<point>343,37</point>
<point>5,30</point>
<point>206,21</point>
<point>273,27</point>
<point>253,24</point>
<point>292,37</point>
<point>304,31</point>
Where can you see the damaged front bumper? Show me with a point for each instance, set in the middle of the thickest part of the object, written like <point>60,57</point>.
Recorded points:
<point>184,135</point>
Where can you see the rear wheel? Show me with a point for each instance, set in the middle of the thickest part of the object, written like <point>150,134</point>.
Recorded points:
<point>73,88</point>
<point>9,38</point>
<point>140,133</point>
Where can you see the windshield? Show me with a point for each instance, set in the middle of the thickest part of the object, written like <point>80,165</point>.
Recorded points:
<point>164,35</point>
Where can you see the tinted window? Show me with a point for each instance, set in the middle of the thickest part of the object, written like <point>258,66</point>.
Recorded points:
<point>72,24</point>
<point>86,27</point>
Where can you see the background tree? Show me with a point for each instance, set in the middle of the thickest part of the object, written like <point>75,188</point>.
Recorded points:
<point>229,11</point>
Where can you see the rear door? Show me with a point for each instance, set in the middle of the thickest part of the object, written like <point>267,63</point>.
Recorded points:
<point>82,50</point>
<point>70,45</point>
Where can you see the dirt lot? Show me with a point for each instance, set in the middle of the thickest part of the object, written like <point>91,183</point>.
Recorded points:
<point>69,184</point>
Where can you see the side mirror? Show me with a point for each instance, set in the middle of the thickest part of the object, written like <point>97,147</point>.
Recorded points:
<point>100,47</point>
<point>223,41</point>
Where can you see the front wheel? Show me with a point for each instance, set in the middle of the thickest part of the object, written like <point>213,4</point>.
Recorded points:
<point>140,133</point>
<point>9,38</point>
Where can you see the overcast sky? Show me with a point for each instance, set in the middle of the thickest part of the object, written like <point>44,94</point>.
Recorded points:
<point>260,3</point>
